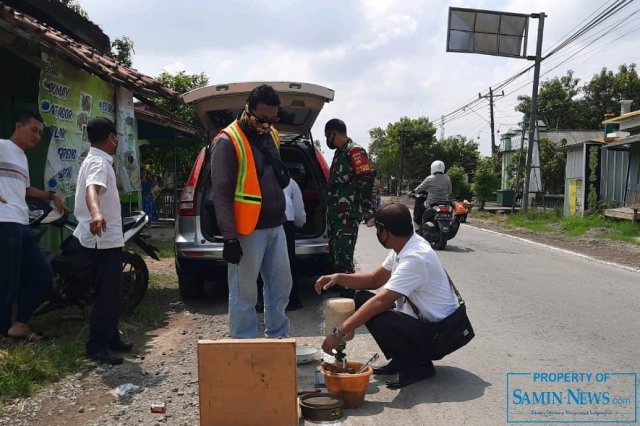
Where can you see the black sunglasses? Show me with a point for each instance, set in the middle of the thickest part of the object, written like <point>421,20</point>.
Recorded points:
<point>263,119</point>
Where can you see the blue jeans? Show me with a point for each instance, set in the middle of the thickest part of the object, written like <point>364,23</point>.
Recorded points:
<point>25,274</point>
<point>264,252</point>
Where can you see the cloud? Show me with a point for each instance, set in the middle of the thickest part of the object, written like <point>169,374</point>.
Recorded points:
<point>385,59</point>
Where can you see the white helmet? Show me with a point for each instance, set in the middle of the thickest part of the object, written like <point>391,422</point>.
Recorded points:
<point>437,167</point>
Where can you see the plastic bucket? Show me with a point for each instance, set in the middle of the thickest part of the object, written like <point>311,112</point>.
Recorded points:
<point>351,387</point>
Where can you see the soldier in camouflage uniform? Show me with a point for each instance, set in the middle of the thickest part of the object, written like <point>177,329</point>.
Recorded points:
<point>348,195</point>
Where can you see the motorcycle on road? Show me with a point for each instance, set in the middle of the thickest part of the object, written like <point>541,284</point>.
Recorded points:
<point>72,268</point>
<point>437,222</point>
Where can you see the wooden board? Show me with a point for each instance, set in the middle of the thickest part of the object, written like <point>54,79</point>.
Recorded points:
<point>247,382</point>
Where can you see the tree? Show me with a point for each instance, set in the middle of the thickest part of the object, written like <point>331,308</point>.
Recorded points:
<point>561,106</point>
<point>460,188</point>
<point>76,7</point>
<point>181,82</point>
<point>553,160</point>
<point>415,139</point>
<point>605,91</point>
<point>161,158</point>
<point>123,50</point>
<point>486,181</point>
<point>556,104</point>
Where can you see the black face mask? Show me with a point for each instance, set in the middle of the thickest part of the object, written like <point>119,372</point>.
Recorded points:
<point>384,243</point>
<point>330,142</point>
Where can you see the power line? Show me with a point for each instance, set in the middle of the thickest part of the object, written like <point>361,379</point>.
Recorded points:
<point>610,11</point>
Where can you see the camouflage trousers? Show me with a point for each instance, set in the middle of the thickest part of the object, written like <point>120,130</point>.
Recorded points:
<point>342,243</point>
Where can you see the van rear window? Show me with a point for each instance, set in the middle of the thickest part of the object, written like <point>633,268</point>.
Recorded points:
<point>288,115</point>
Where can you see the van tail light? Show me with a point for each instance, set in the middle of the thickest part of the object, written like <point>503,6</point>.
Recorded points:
<point>187,196</point>
<point>323,164</point>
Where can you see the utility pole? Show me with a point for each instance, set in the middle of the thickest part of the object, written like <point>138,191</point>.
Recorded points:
<point>494,150</point>
<point>533,119</point>
<point>402,143</point>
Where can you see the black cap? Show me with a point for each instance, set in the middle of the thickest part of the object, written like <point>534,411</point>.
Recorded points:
<point>99,128</point>
<point>395,218</point>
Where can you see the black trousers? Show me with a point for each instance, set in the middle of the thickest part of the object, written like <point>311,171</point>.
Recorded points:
<point>290,233</point>
<point>107,287</point>
<point>400,337</point>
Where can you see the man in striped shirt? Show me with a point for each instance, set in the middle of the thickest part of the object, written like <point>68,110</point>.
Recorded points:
<point>25,274</point>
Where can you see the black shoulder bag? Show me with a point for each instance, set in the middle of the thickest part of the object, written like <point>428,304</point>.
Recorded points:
<point>451,333</point>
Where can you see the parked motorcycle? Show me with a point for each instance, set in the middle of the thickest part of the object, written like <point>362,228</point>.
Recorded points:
<point>461,210</point>
<point>72,269</point>
<point>442,227</point>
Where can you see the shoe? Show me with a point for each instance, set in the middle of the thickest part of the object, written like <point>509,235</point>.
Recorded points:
<point>409,378</point>
<point>106,358</point>
<point>294,306</point>
<point>387,369</point>
<point>121,346</point>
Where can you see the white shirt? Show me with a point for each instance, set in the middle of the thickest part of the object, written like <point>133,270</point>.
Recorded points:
<point>294,209</point>
<point>97,169</point>
<point>14,181</point>
<point>416,272</point>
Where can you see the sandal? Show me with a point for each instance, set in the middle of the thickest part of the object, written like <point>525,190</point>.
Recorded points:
<point>7,342</point>
<point>35,337</point>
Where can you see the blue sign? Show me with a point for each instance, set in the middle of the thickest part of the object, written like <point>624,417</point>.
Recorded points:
<point>572,397</point>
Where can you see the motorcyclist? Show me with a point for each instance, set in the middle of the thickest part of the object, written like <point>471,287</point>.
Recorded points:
<point>438,188</point>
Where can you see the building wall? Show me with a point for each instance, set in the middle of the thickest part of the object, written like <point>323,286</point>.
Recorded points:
<point>634,169</point>
<point>615,165</point>
<point>574,169</point>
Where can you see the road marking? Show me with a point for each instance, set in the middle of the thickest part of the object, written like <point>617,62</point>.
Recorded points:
<point>583,256</point>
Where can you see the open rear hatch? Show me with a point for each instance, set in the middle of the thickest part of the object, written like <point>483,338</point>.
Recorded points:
<point>300,103</point>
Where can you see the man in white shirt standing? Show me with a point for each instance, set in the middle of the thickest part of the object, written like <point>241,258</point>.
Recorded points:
<point>99,231</point>
<point>25,274</point>
<point>411,271</point>
<point>296,218</point>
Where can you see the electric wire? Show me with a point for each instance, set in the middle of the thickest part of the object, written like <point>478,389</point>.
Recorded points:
<point>611,10</point>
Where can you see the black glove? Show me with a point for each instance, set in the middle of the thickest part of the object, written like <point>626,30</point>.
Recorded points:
<point>232,252</point>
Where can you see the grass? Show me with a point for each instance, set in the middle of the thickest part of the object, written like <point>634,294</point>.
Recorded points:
<point>596,226</point>
<point>26,368</point>
<point>165,248</point>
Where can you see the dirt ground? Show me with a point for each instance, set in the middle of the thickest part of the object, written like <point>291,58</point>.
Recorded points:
<point>165,364</point>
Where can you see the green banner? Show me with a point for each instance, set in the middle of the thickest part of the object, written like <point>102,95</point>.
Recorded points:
<point>68,98</point>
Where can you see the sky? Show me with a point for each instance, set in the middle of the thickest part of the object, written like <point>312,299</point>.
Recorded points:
<point>384,59</point>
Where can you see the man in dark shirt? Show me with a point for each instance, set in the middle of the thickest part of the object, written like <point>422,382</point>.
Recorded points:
<point>248,177</point>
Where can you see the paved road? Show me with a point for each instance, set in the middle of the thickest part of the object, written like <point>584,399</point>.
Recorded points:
<point>534,309</point>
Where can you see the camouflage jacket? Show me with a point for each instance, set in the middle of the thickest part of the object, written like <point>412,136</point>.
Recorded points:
<point>350,183</point>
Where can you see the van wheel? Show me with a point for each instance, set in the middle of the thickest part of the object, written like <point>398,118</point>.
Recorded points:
<point>190,287</point>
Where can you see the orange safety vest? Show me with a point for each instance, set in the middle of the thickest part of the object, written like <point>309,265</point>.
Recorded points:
<point>248,198</point>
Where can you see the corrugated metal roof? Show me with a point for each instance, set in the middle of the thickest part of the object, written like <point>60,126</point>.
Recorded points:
<point>574,137</point>
<point>158,115</point>
<point>624,141</point>
<point>80,54</point>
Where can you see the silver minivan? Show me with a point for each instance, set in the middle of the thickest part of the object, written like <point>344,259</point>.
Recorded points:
<point>198,243</point>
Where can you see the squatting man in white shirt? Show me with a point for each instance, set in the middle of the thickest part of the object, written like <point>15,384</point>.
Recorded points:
<point>411,270</point>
